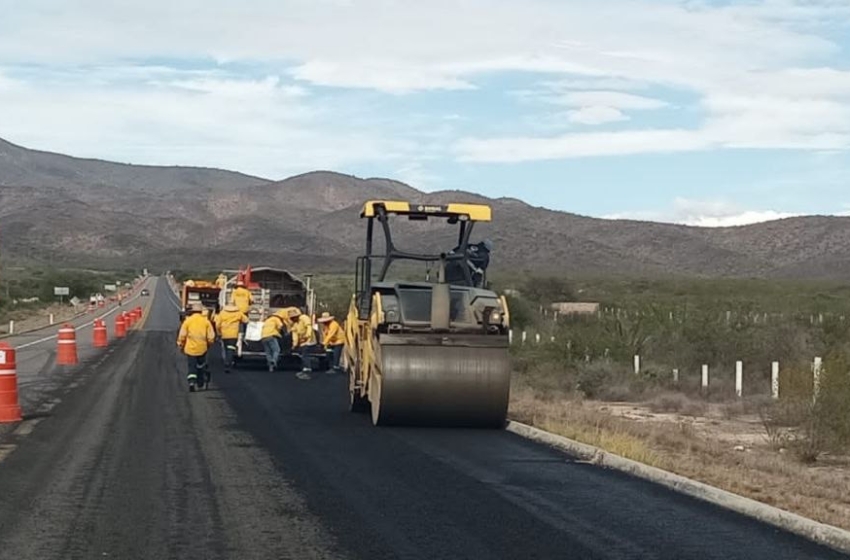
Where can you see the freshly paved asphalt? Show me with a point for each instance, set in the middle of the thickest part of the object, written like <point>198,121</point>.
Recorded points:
<point>116,459</point>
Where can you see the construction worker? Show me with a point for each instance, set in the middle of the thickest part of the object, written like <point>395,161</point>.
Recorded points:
<point>195,338</point>
<point>272,328</point>
<point>228,324</point>
<point>333,339</point>
<point>242,297</point>
<point>303,340</point>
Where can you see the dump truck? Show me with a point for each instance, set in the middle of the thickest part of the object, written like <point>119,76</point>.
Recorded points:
<point>273,290</point>
<point>430,351</point>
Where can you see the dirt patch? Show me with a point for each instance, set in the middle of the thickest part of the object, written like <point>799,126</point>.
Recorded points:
<point>724,445</point>
<point>30,319</point>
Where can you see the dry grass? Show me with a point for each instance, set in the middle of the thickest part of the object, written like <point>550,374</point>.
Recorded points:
<point>761,473</point>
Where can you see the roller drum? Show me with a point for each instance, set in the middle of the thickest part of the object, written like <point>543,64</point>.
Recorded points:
<point>458,381</point>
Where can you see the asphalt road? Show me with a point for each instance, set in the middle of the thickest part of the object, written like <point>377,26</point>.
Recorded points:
<point>131,465</point>
<point>39,380</point>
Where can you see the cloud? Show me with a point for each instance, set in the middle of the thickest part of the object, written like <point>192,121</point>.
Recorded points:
<point>290,84</point>
<point>575,145</point>
<point>596,114</point>
<point>733,121</point>
<point>392,45</point>
<point>614,99</point>
<point>704,213</point>
<point>261,126</point>
<point>596,107</point>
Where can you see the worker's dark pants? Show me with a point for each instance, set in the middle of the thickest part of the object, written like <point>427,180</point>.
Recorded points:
<point>306,353</point>
<point>198,368</point>
<point>271,345</point>
<point>229,345</point>
<point>336,355</point>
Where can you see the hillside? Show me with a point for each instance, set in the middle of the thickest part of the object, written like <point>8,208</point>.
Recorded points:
<point>96,213</point>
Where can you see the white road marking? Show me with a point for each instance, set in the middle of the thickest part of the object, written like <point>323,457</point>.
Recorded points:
<point>83,326</point>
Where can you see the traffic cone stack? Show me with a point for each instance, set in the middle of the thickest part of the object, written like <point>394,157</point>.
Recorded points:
<point>66,352</point>
<point>10,409</point>
<point>120,326</point>
<point>101,340</point>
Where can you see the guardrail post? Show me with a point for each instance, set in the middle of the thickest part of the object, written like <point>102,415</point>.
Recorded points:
<point>739,378</point>
<point>774,380</point>
<point>817,366</point>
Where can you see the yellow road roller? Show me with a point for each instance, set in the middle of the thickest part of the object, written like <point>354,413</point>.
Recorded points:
<point>426,339</point>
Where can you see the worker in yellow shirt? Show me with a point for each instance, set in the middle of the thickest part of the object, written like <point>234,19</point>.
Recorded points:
<point>303,340</point>
<point>242,297</point>
<point>272,328</point>
<point>228,323</point>
<point>195,338</point>
<point>333,339</point>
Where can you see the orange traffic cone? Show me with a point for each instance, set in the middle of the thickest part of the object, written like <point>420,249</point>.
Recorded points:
<point>101,339</point>
<point>66,353</point>
<point>120,326</point>
<point>10,409</point>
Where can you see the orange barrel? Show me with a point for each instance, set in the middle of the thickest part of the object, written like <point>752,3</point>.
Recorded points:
<point>101,340</point>
<point>10,408</point>
<point>66,351</point>
<point>120,326</point>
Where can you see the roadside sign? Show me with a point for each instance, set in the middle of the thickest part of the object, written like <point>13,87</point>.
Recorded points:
<point>61,291</point>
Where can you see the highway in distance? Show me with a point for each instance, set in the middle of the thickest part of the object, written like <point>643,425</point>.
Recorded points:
<point>125,463</point>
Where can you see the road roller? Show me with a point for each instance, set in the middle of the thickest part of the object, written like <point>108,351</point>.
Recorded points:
<point>426,347</point>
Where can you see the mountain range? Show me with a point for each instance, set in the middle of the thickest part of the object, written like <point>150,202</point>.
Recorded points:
<point>84,212</point>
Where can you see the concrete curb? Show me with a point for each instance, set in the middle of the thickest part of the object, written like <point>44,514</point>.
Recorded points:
<point>833,537</point>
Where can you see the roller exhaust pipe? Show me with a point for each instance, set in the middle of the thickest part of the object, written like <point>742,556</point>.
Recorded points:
<point>441,298</point>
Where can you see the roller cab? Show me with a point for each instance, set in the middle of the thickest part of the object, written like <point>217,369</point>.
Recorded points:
<point>432,352</point>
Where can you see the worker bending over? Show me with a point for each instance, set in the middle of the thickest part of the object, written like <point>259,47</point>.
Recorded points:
<point>195,338</point>
<point>272,328</point>
<point>333,339</point>
<point>228,323</point>
<point>303,340</point>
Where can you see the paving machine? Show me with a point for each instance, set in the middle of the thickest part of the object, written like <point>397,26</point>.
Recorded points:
<point>432,352</point>
<point>199,291</point>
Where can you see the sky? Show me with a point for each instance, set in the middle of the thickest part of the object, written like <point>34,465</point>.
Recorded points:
<point>702,112</point>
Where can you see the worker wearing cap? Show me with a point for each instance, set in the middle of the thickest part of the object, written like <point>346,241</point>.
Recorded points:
<point>272,328</point>
<point>303,340</point>
<point>242,297</point>
<point>195,338</point>
<point>333,339</point>
<point>228,324</point>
